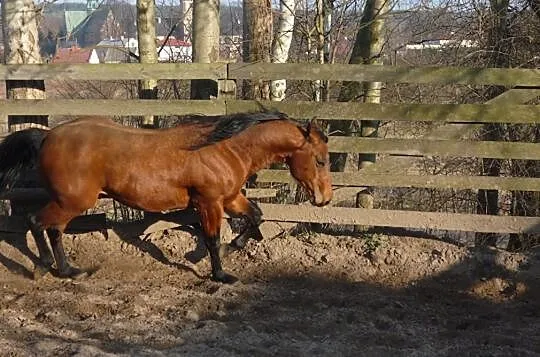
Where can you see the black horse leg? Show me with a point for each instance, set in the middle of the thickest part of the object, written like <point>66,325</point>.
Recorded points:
<point>213,245</point>
<point>65,270</point>
<point>211,214</point>
<point>46,259</point>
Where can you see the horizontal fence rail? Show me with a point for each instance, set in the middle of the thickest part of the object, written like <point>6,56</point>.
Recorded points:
<point>422,147</point>
<point>405,219</point>
<point>395,74</point>
<point>113,71</point>
<point>307,213</point>
<point>359,179</point>
<point>111,107</point>
<point>291,71</point>
<point>441,113</point>
<point>457,113</point>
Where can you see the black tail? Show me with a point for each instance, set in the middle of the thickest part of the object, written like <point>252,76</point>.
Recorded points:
<point>19,151</point>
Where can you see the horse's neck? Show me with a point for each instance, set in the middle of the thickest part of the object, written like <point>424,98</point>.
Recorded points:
<point>270,145</point>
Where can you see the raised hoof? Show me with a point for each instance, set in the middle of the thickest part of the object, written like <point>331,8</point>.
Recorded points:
<point>257,235</point>
<point>73,273</point>
<point>195,256</point>
<point>224,278</point>
<point>40,271</point>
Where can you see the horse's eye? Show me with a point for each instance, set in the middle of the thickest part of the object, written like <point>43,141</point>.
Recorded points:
<point>320,163</point>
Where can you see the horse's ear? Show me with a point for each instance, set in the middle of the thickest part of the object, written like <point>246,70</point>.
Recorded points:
<point>311,125</point>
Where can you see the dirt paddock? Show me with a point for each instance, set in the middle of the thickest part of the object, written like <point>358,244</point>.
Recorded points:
<point>307,295</point>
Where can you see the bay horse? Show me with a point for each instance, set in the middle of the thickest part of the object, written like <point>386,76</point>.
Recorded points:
<point>191,165</point>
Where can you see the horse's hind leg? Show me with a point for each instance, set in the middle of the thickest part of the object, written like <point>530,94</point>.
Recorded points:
<point>54,218</point>
<point>65,270</point>
<point>46,259</point>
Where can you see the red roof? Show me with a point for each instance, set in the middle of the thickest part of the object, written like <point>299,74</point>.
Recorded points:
<point>173,42</point>
<point>72,55</point>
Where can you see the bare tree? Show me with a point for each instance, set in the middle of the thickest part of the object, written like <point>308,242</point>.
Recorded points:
<point>282,44</point>
<point>488,200</point>
<point>257,43</point>
<point>367,49</point>
<point>205,44</point>
<point>22,47</point>
<point>146,31</point>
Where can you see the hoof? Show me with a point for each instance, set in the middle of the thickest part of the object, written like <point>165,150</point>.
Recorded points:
<point>195,256</point>
<point>40,271</point>
<point>257,235</point>
<point>224,278</point>
<point>74,273</point>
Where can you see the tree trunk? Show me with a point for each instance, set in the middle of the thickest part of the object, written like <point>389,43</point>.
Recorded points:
<point>205,45</point>
<point>21,18</point>
<point>488,200</point>
<point>146,33</point>
<point>282,44</point>
<point>327,28</point>
<point>367,50</point>
<point>22,47</point>
<point>257,44</point>
<point>319,30</point>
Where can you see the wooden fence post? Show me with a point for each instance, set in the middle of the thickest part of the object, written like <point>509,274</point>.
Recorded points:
<point>226,90</point>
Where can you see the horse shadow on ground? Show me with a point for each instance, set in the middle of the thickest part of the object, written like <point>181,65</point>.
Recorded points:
<point>134,234</point>
<point>19,242</point>
<point>137,235</point>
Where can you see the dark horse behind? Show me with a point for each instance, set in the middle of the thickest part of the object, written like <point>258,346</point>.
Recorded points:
<point>200,164</point>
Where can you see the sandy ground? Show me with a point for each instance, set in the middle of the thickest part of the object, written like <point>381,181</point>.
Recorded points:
<point>306,295</point>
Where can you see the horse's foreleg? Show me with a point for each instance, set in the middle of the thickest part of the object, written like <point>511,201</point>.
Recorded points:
<point>242,207</point>
<point>211,215</point>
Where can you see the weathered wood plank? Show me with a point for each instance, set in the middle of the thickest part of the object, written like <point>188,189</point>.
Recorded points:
<point>260,192</point>
<point>454,131</point>
<point>396,74</point>
<point>360,216</point>
<point>404,219</point>
<point>516,95</point>
<point>25,194</point>
<point>419,147</point>
<point>299,71</point>
<point>120,71</point>
<point>39,194</point>
<point>472,113</point>
<point>307,213</point>
<point>81,224</point>
<point>108,107</point>
<point>360,179</point>
<point>466,113</point>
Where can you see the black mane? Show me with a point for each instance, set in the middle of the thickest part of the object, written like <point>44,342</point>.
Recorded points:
<point>237,123</point>
<point>227,126</point>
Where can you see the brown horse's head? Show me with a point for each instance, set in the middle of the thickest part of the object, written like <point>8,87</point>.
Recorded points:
<point>310,165</point>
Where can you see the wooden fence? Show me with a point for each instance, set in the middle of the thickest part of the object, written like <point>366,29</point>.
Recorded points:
<point>445,140</point>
